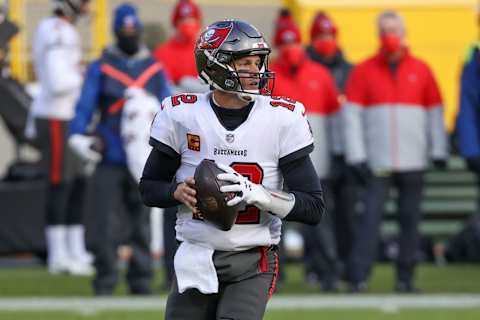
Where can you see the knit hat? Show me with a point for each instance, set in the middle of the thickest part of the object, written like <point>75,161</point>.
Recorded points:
<point>286,30</point>
<point>185,9</point>
<point>322,24</point>
<point>125,16</point>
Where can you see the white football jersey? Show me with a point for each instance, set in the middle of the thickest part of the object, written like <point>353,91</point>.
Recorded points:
<point>275,128</point>
<point>57,56</point>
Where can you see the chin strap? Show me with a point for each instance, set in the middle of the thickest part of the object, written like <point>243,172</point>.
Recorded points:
<point>246,96</point>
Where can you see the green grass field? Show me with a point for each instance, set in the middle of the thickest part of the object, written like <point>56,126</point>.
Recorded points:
<point>430,279</point>
<point>408,314</point>
<point>452,280</point>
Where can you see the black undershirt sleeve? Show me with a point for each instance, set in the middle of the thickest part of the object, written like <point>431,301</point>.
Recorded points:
<point>302,180</point>
<point>157,184</point>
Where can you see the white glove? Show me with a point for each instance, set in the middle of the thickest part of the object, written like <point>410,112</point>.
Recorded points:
<point>247,191</point>
<point>277,202</point>
<point>82,146</point>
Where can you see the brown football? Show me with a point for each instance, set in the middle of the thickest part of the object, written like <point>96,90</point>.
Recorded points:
<point>211,202</point>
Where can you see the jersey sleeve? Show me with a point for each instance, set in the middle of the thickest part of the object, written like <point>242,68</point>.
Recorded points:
<point>164,131</point>
<point>296,134</point>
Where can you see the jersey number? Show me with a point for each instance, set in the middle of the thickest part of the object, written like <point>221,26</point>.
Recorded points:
<point>283,102</point>
<point>185,98</point>
<point>254,173</point>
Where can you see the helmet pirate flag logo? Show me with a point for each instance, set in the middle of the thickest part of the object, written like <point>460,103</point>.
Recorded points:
<point>213,38</point>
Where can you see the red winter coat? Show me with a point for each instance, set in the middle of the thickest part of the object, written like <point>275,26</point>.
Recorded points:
<point>177,59</point>
<point>313,86</point>
<point>393,119</point>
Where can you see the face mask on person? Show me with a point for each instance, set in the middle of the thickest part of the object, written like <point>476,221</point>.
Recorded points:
<point>390,43</point>
<point>292,55</point>
<point>129,44</point>
<point>325,47</point>
<point>188,31</point>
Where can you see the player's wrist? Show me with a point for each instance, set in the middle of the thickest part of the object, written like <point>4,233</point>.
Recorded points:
<point>173,191</point>
<point>279,203</point>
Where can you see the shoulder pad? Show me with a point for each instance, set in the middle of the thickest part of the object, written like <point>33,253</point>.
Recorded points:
<point>181,103</point>
<point>183,99</point>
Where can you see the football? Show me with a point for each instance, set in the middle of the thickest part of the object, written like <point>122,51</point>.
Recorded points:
<point>211,202</point>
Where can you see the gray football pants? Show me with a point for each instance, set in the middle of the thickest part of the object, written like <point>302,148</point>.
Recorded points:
<point>244,288</point>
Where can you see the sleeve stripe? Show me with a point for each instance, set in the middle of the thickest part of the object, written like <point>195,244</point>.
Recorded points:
<point>296,155</point>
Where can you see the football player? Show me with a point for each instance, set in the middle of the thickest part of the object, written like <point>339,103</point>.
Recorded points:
<point>57,55</point>
<point>261,142</point>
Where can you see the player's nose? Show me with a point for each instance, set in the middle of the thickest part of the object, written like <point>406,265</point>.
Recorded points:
<point>253,68</point>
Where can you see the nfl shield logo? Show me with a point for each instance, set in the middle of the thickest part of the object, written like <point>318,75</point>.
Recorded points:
<point>230,137</point>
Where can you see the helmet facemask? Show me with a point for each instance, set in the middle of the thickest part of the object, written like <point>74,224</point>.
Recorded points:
<point>233,76</point>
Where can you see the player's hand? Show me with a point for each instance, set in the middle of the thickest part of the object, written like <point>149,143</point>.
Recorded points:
<point>185,193</point>
<point>85,147</point>
<point>250,193</point>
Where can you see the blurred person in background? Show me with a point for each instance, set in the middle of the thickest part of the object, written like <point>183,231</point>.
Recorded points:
<point>301,79</point>
<point>393,127</point>
<point>176,54</point>
<point>467,127</point>
<point>57,57</point>
<point>324,49</point>
<point>465,246</point>
<point>125,69</point>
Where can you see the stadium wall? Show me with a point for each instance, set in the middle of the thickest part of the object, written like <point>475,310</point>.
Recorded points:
<point>439,31</point>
